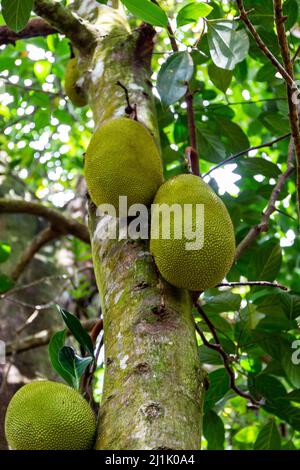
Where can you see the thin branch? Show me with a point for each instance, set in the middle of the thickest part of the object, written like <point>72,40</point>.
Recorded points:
<point>39,339</point>
<point>263,226</point>
<point>29,88</point>
<point>246,151</point>
<point>62,224</point>
<point>80,32</point>
<point>41,239</point>
<point>293,107</point>
<point>35,27</point>
<point>194,157</point>
<point>35,283</point>
<point>295,56</point>
<point>283,72</point>
<point>254,283</point>
<point>227,360</point>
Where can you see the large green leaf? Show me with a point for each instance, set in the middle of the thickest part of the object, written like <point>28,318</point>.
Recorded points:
<point>235,137</point>
<point>225,302</point>
<point>5,283</point>
<point>221,78</point>
<point>174,76</point>
<point>147,11</point>
<point>210,146</point>
<point>228,46</point>
<point>55,345</point>
<point>4,251</point>
<point>268,437</point>
<point>16,13</point>
<point>290,304</point>
<point>214,431</point>
<point>219,385</point>
<point>192,12</point>
<point>258,166</point>
<point>268,261</point>
<point>290,363</point>
<point>77,330</point>
<point>74,365</point>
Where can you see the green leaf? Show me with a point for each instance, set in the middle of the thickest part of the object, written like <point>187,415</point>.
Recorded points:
<point>268,261</point>
<point>225,302</point>
<point>174,76</point>
<point>55,345</point>
<point>236,139</point>
<point>16,13</point>
<point>42,68</point>
<point>74,365</point>
<point>214,431</point>
<point>292,370</point>
<point>219,385</point>
<point>210,146</point>
<point>271,389</point>
<point>246,435</point>
<point>209,356</point>
<point>227,46</point>
<point>268,438</point>
<point>290,304</point>
<point>147,11</point>
<point>77,330</point>
<point>4,251</point>
<point>221,78</point>
<point>192,12</point>
<point>5,283</point>
<point>294,396</point>
<point>258,166</point>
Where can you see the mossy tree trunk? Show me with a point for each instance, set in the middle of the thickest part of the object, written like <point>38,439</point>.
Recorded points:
<point>153,384</point>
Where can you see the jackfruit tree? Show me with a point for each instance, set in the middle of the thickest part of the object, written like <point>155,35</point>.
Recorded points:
<point>181,342</point>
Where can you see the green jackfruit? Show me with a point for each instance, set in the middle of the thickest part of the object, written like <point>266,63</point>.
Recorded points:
<point>192,269</point>
<point>49,416</point>
<point>122,159</point>
<point>72,90</point>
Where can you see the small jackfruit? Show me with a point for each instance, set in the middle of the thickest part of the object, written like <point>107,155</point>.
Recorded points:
<point>181,262</point>
<point>73,91</point>
<point>123,159</point>
<point>49,416</point>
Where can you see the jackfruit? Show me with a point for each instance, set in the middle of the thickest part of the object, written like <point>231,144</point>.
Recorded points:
<point>73,91</point>
<point>181,262</point>
<point>123,159</point>
<point>49,416</point>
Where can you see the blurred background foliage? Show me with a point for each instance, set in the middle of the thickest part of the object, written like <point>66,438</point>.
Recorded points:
<point>42,144</point>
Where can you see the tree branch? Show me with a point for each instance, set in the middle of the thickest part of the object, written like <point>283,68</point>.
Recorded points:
<point>253,283</point>
<point>192,151</point>
<point>39,339</point>
<point>293,107</point>
<point>62,224</point>
<point>227,360</point>
<point>35,27</point>
<point>246,151</point>
<point>263,226</point>
<point>81,33</point>
<point>41,239</point>
<point>283,72</point>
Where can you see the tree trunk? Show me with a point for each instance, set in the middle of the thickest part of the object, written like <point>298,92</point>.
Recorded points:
<point>153,384</point>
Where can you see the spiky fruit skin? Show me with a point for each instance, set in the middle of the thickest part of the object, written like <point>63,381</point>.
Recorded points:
<point>75,94</point>
<point>123,159</point>
<point>49,416</point>
<point>195,270</point>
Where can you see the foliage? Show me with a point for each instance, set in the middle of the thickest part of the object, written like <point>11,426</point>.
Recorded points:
<point>239,102</point>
